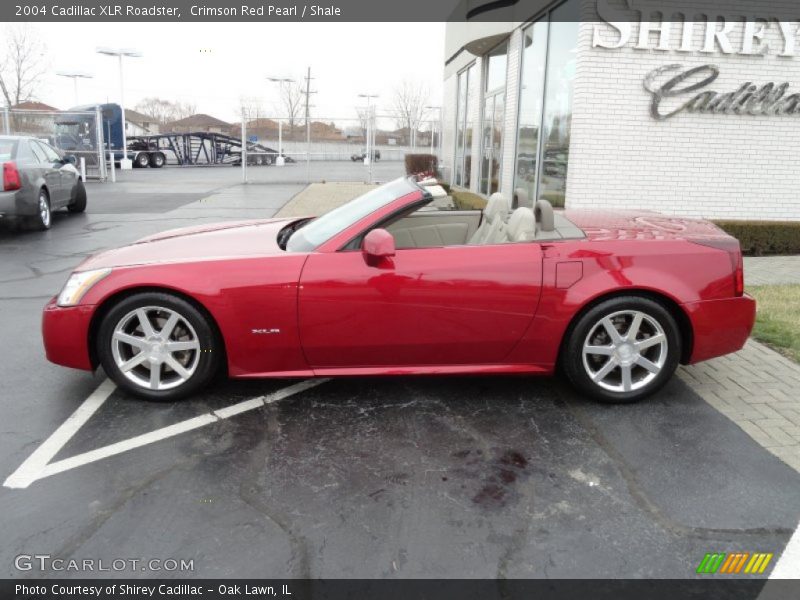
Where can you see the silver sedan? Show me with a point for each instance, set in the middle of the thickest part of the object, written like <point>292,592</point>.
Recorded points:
<point>37,180</point>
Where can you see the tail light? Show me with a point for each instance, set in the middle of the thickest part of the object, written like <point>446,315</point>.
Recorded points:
<point>731,246</point>
<point>11,177</point>
<point>738,272</point>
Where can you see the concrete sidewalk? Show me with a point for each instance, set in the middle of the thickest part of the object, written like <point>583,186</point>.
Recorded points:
<point>771,270</point>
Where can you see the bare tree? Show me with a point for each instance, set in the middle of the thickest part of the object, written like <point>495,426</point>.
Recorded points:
<point>164,111</point>
<point>290,102</point>
<point>408,104</point>
<point>363,119</point>
<point>22,64</point>
<point>251,107</point>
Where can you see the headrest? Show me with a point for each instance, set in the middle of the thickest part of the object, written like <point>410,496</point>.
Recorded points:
<point>521,223</point>
<point>497,206</point>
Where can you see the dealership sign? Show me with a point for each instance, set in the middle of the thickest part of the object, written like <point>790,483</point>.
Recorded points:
<point>678,33</point>
<point>690,88</point>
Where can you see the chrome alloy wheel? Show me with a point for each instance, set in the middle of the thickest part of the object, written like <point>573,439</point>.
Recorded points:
<point>44,209</point>
<point>155,348</point>
<point>625,351</point>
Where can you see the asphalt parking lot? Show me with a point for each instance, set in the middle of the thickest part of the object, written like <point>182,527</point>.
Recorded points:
<point>404,477</point>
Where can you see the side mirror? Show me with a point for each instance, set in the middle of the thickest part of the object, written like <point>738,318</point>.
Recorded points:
<point>378,244</point>
<point>70,158</point>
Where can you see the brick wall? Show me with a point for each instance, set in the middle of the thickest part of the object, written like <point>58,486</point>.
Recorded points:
<point>704,165</point>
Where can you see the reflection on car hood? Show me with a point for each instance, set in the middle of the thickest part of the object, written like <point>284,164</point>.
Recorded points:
<point>203,242</point>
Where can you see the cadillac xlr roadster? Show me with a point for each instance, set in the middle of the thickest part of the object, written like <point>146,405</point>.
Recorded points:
<point>399,282</point>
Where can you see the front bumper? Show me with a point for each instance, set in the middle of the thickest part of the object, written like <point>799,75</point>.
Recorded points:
<point>720,326</point>
<point>65,332</point>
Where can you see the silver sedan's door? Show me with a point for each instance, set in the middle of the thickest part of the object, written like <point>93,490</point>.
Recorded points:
<point>62,181</point>
<point>51,176</point>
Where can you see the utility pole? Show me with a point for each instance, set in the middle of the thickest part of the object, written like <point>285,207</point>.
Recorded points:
<point>308,93</point>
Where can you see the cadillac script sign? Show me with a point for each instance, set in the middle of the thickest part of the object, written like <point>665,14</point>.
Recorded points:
<point>675,90</point>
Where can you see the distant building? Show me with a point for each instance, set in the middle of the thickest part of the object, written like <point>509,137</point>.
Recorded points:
<point>33,105</point>
<point>199,122</point>
<point>139,123</point>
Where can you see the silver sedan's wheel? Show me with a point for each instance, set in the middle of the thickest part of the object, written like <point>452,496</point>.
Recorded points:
<point>159,346</point>
<point>622,349</point>
<point>155,348</point>
<point>625,351</point>
<point>43,218</point>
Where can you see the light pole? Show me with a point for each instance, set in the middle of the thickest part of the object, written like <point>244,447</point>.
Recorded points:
<point>368,157</point>
<point>125,162</point>
<point>75,75</point>
<point>281,81</point>
<point>433,124</point>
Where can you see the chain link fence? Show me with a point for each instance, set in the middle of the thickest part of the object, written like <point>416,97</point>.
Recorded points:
<point>333,149</point>
<point>71,132</point>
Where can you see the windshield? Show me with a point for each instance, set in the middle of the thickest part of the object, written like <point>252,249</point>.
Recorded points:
<point>323,228</point>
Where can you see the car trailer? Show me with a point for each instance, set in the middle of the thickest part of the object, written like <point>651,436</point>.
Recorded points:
<point>197,148</point>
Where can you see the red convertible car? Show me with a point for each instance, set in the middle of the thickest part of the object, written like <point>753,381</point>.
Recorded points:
<point>397,282</point>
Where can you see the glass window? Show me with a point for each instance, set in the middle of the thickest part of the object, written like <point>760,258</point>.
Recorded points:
<point>545,114</point>
<point>493,117</point>
<point>50,153</point>
<point>38,152</point>
<point>468,125</point>
<point>463,157</point>
<point>497,62</point>
<point>7,149</point>
<point>321,229</point>
<point>534,55</point>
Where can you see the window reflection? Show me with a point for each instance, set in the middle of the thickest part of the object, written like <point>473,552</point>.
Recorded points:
<point>493,116</point>
<point>546,104</point>
<point>464,128</point>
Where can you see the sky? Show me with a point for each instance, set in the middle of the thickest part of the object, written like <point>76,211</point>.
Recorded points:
<point>213,65</point>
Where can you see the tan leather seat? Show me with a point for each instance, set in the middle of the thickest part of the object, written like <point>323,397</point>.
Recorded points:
<point>521,225</point>
<point>494,216</point>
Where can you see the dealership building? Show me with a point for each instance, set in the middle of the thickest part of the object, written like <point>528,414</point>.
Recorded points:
<point>684,108</point>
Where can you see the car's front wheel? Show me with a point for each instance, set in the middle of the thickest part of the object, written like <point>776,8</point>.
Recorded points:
<point>622,349</point>
<point>158,346</point>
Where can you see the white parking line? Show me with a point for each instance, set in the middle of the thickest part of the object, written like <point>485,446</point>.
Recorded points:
<point>788,566</point>
<point>38,465</point>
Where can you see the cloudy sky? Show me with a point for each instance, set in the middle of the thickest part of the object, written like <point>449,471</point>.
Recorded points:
<point>213,65</point>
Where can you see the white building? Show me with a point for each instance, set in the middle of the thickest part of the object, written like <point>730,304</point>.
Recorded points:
<point>692,110</point>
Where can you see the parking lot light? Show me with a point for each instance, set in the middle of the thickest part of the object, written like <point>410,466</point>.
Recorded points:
<point>75,75</point>
<point>125,163</point>
<point>279,161</point>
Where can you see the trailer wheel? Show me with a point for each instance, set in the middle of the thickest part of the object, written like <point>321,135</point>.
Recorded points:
<point>157,160</point>
<point>142,160</point>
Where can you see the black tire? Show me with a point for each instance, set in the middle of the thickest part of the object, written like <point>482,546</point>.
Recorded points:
<point>78,203</point>
<point>658,331</point>
<point>142,160</point>
<point>195,327</point>
<point>43,219</point>
<point>157,160</point>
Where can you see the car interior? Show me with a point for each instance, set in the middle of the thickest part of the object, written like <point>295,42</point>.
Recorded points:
<point>436,225</point>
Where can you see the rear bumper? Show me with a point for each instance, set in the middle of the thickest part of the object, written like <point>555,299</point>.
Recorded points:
<point>16,204</point>
<point>720,326</point>
<point>65,331</point>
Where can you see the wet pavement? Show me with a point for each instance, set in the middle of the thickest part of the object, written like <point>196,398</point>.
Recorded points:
<point>383,477</point>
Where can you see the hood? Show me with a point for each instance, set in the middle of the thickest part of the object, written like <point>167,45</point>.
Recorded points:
<point>203,242</point>
<point>611,225</point>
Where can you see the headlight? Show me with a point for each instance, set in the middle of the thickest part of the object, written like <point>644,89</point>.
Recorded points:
<point>78,284</point>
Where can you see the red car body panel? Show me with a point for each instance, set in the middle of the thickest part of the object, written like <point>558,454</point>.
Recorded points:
<point>501,308</point>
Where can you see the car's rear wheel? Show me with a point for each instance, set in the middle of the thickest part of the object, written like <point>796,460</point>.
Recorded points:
<point>78,203</point>
<point>622,350</point>
<point>158,346</point>
<point>43,217</point>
